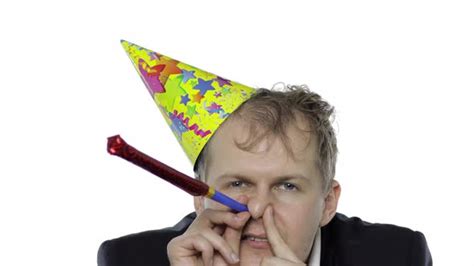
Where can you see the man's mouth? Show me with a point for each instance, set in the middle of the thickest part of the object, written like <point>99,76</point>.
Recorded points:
<point>254,238</point>
<point>256,241</point>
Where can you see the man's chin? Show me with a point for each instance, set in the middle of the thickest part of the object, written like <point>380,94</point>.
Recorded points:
<point>252,253</point>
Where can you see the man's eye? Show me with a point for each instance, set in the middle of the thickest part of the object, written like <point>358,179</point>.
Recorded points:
<point>287,186</point>
<point>236,184</point>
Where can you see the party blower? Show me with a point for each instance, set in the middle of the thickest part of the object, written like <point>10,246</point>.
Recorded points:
<point>117,146</point>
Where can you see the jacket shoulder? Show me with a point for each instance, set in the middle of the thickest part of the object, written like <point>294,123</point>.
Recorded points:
<point>141,249</point>
<point>352,241</point>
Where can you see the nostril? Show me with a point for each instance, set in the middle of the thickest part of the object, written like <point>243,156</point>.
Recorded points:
<point>258,203</point>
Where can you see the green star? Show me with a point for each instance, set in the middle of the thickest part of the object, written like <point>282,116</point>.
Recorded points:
<point>172,92</point>
<point>191,110</point>
<point>225,91</point>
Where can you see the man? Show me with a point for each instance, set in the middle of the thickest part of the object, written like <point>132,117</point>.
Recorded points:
<point>276,153</point>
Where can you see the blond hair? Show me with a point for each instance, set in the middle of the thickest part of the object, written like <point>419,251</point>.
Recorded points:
<point>270,112</point>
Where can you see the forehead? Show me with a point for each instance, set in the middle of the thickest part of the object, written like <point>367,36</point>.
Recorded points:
<point>268,157</point>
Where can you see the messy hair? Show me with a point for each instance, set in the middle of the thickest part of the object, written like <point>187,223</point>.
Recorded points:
<point>270,112</point>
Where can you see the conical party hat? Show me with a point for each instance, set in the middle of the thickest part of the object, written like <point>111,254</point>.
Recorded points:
<point>194,102</point>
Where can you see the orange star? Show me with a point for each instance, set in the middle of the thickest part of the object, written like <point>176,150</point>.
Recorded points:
<point>170,68</point>
<point>197,98</point>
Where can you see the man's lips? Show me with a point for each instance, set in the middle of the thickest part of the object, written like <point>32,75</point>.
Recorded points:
<point>258,237</point>
<point>254,235</point>
<point>257,241</point>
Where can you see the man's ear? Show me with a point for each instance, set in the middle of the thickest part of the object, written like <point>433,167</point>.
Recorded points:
<point>330,203</point>
<point>198,201</point>
<point>199,204</point>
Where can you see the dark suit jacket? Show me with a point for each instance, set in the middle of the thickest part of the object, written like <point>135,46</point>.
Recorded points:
<point>344,241</point>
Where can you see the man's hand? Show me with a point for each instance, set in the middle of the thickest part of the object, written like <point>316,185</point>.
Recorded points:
<point>211,231</point>
<point>283,254</point>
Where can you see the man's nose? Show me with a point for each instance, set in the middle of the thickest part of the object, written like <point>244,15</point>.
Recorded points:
<point>258,202</point>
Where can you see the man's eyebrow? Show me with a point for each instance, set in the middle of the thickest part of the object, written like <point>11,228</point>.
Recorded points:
<point>236,176</point>
<point>249,179</point>
<point>292,176</point>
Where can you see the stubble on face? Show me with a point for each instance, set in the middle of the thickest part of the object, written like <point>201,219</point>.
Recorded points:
<point>297,213</point>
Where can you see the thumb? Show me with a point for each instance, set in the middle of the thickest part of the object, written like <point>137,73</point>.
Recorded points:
<point>233,235</point>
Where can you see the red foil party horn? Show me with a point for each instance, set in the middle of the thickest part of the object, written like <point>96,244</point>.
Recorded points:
<point>117,146</point>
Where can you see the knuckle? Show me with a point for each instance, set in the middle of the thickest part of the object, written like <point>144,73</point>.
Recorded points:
<point>203,243</point>
<point>170,248</point>
<point>174,242</point>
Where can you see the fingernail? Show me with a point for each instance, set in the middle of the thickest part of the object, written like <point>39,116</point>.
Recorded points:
<point>270,210</point>
<point>234,257</point>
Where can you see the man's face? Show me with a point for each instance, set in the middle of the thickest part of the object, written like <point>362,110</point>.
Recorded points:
<point>268,175</point>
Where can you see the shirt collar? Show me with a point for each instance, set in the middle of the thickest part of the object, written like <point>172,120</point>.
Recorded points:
<point>315,256</point>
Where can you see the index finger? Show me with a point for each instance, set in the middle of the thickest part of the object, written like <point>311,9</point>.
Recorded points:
<point>210,218</point>
<point>279,246</point>
<point>233,236</point>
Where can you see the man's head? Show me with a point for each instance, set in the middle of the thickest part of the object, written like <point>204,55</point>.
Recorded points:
<point>278,148</point>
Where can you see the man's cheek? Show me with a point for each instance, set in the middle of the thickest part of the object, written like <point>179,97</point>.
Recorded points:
<point>283,217</point>
<point>294,223</point>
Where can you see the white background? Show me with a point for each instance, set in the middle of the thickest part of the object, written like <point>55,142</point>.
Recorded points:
<point>400,74</point>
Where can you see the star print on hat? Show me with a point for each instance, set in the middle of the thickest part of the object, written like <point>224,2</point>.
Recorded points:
<point>194,102</point>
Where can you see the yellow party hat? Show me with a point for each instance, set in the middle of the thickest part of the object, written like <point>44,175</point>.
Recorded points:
<point>194,102</point>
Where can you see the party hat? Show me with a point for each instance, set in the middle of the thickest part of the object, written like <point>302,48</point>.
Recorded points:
<point>194,102</point>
